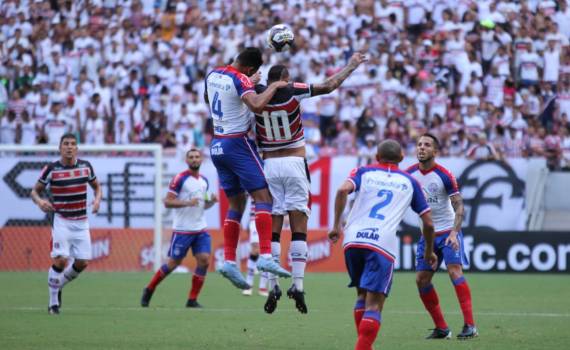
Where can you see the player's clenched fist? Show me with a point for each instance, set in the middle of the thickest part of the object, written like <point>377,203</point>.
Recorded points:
<point>334,235</point>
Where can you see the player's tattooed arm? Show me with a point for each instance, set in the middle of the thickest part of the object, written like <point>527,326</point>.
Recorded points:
<point>457,204</point>
<point>43,204</point>
<point>336,80</point>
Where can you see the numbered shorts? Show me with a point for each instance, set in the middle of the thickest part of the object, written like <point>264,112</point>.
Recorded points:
<point>289,183</point>
<point>238,165</point>
<point>253,235</point>
<point>70,238</point>
<point>369,270</point>
<point>180,243</point>
<point>444,252</point>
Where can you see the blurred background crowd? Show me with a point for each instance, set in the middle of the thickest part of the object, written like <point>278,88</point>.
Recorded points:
<point>490,78</point>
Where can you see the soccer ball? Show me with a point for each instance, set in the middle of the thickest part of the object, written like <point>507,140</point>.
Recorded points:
<point>280,37</point>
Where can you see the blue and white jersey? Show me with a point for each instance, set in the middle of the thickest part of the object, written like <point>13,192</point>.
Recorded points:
<point>186,187</point>
<point>439,185</point>
<point>225,87</point>
<point>383,194</point>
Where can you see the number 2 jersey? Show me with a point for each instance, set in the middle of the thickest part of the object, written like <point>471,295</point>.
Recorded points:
<point>225,87</point>
<point>280,126</point>
<point>383,194</point>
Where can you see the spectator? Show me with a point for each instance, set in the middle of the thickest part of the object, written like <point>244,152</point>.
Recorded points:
<point>482,150</point>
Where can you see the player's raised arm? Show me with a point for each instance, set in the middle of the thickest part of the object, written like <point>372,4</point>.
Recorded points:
<point>336,80</point>
<point>339,204</point>
<point>256,102</point>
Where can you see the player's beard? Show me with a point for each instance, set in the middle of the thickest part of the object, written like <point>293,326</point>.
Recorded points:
<point>426,159</point>
<point>195,167</point>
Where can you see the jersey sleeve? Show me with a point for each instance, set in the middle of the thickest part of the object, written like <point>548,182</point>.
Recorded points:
<point>243,85</point>
<point>92,177</point>
<point>175,185</point>
<point>302,90</point>
<point>419,203</point>
<point>449,181</point>
<point>45,175</point>
<point>355,177</point>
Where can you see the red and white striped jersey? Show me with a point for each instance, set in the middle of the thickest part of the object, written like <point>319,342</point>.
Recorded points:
<point>68,186</point>
<point>280,126</point>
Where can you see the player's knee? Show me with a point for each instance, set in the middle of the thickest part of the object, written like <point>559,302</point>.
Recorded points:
<point>299,236</point>
<point>60,263</point>
<point>454,271</point>
<point>422,280</point>
<point>203,261</point>
<point>80,265</point>
<point>173,263</point>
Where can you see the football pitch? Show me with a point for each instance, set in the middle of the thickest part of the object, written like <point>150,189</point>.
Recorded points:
<point>101,311</point>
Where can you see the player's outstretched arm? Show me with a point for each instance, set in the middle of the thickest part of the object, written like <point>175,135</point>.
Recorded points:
<point>96,186</point>
<point>339,204</point>
<point>429,237</point>
<point>336,80</point>
<point>43,204</point>
<point>256,102</point>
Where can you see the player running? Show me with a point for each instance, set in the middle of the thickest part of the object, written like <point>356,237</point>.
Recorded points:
<point>446,203</point>
<point>67,179</point>
<point>280,135</point>
<point>188,196</point>
<point>231,95</point>
<point>383,193</point>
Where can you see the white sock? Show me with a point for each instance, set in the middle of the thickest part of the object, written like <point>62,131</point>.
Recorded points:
<point>55,282</point>
<point>69,274</point>
<point>298,251</point>
<point>263,280</point>
<point>250,271</point>
<point>276,254</point>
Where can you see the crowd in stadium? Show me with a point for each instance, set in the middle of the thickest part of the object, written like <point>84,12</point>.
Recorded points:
<point>490,78</point>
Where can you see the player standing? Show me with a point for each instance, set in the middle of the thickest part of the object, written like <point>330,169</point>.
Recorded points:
<point>446,203</point>
<point>383,193</point>
<point>67,179</point>
<point>231,95</point>
<point>280,135</point>
<point>188,196</point>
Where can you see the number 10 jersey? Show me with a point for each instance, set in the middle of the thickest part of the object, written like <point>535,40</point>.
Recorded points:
<point>383,194</point>
<point>280,126</point>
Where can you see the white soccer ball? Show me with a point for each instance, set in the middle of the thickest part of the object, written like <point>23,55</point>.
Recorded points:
<point>280,37</point>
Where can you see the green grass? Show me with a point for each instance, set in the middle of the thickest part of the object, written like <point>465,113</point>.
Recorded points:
<point>101,311</point>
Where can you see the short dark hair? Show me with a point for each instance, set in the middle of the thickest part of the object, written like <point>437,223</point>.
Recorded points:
<point>390,150</point>
<point>193,149</point>
<point>433,137</point>
<point>250,57</point>
<point>68,135</point>
<point>276,73</point>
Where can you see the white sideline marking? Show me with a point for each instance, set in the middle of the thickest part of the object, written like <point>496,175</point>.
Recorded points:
<point>259,310</point>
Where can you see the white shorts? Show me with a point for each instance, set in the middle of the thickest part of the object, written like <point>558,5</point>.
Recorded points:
<point>289,184</point>
<point>70,238</point>
<point>253,236</point>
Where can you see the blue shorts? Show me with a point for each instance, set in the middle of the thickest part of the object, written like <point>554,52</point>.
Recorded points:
<point>369,270</point>
<point>443,252</point>
<point>181,242</point>
<point>238,164</point>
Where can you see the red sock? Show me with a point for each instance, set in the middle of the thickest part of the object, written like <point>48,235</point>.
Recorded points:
<point>368,330</point>
<point>263,223</point>
<point>197,283</point>
<point>431,302</point>
<point>464,296</point>
<point>358,312</point>
<point>158,277</point>
<point>231,235</point>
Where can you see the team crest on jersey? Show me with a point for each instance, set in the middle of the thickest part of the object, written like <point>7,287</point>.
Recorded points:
<point>432,188</point>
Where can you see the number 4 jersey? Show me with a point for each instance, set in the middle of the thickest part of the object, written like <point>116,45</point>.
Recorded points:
<point>383,194</point>
<point>279,126</point>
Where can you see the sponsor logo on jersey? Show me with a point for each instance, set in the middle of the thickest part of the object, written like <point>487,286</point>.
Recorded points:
<point>381,183</point>
<point>368,233</point>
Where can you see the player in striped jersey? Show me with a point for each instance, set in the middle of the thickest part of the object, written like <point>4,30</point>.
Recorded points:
<point>280,135</point>
<point>383,194</point>
<point>67,179</point>
<point>446,203</point>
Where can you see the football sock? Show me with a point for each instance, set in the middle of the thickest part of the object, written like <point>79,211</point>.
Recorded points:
<point>368,330</point>
<point>231,235</point>
<point>431,302</point>
<point>70,273</point>
<point>55,282</point>
<point>251,268</point>
<point>197,282</point>
<point>358,312</point>
<point>158,277</point>
<point>263,281</point>
<point>464,296</point>
<point>298,253</point>
<point>276,254</point>
<point>263,223</point>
